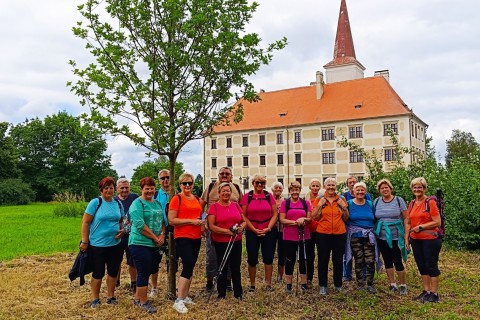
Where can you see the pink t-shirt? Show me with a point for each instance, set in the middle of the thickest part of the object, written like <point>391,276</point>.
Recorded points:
<point>296,211</point>
<point>259,211</point>
<point>225,217</point>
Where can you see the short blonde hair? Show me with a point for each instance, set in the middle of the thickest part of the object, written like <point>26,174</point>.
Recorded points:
<point>184,176</point>
<point>384,181</point>
<point>259,177</point>
<point>360,184</point>
<point>294,185</point>
<point>419,180</point>
<point>223,184</point>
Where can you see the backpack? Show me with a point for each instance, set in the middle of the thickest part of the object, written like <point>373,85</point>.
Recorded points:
<point>265,192</point>
<point>126,220</point>
<point>287,206</point>
<point>438,198</point>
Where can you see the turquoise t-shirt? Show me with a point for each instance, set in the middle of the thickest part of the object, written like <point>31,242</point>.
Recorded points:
<point>105,223</point>
<point>163,198</point>
<point>142,213</point>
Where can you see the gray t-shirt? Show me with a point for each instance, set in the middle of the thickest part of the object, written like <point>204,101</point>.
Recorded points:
<point>388,212</point>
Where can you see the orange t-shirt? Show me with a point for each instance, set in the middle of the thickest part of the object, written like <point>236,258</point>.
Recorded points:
<point>419,216</point>
<point>313,224</point>
<point>331,219</point>
<point>189,209</point>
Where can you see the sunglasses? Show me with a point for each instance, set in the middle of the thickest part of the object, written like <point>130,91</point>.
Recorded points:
<point>226,174</point>
<point>166,177</point>
<point>187,183</point>
<point>259,183</point>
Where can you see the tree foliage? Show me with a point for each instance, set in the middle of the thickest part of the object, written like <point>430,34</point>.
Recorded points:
<point>151,168</point>
<point>8,154</point>
<point>60,154</point>
<point>15,192</point>
<point>462,146</point>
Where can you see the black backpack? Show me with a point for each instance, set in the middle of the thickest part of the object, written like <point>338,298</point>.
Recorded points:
<point>265,192</point>
<point>287,206</point>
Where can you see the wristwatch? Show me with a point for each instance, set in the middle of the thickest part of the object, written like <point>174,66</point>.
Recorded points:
<point>420,227</point>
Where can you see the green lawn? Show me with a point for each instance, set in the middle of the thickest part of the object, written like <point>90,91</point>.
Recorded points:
<point>33,229</point>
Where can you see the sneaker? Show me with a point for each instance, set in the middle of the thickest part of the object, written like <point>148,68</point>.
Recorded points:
<point>279,279</point>
<point>188,300</point>
<point>431,297</point>
<point>112,301</point>
<point>268,288</point>
<point>153,293</point>
<point>179,306</point>
<point>371,289</point>
<point>421,296</point>
<point>94,303</point>
<point>251,289</point>
<point>309,284</point>
<point>289,287</point>
<point>323,291</point>
<point>403,289</point>
<point>136,302</point>
<point>147,307</point>
<point>393,288</point>
<point>339,289</point>
<point>209,286</point>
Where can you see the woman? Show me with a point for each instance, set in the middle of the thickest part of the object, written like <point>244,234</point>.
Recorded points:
<point>295,214</point>
<point>422,226</point>
<point>331,214</point>
<point>259,211</point>
<point>277,190</point>
<point>226,224</point>
<point>146,236</point>
<point>102,230</point>
<point>314,197</point>
<point>361,241</point>
<point>185,212</point>
<point>391,213</point>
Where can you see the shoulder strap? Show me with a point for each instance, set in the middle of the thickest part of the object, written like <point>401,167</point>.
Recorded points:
<point>120,206</point>
<point>250,196</point>
<point>155,195</point>
<point>287,206</point>
<point>238,189</point>
<point>210,187</point>
<point>267,196</point>
<point>305,206</point>
<point>375,202</point>
<point>410,205</point>
<point>100,200</point>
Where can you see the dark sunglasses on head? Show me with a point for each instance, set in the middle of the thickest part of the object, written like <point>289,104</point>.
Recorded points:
<point>166,177</point>
<point>259,183</point>
<point>187,183</point>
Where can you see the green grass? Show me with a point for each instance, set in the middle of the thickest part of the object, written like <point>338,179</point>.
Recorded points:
<point>33,229</point>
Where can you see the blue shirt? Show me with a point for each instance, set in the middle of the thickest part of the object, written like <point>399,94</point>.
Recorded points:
<point>105,224</point>
<point>361,216</point>
<point>163,198</point>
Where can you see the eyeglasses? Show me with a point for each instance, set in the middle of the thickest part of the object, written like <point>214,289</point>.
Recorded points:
<point>187,183</point>
<point>166,177</point>
<point>226,174</point>
<point>259,183</point>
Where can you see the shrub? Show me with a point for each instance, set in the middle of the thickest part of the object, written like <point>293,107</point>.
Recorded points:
<point>69,205</point>
<point>15,192</point>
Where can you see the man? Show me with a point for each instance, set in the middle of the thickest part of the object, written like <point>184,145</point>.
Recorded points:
<point>348,195</point>
<point>126,198</point>
<point>162,196</point>
<point>210,196</point>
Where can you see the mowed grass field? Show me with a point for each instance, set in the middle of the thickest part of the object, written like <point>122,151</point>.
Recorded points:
<point>38,249</point>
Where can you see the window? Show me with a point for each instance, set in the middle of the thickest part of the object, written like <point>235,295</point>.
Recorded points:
<point>416,133</point>
<point>245,161</point>
<point>297,138</point>
<point>280,159</point>
<point>390,154</point>
<point>298,158</point>
<point>413,133</point>
<point>280,179</point>
<point>214,143</point>
<point>229,142</point>
<point>390,126</point>
<point>261,139</point>
<point>229,162</point>
<point>245,141</point>
<point>299,180</point>
<point>214,163</point>
<point>262,160</point>
<point>328,157</point>
<point>279,137</point>
<point>355,132</point>
<point>328,134</point>
<point>356,156</point>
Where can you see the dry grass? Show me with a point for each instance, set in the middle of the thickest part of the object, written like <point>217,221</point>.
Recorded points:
<point>38,288</point>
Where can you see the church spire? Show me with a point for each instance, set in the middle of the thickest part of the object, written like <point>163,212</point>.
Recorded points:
<point>344,51</point>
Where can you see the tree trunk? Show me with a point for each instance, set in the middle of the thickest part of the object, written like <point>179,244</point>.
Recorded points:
<point>172,261</point>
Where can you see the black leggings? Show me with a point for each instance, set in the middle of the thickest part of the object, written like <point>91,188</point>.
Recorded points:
<point>426,254</point>
<point>334,244</point>
<point>187,250</point>
<point>291,248</point>
<point>267,244</point>
<point>311,255</point>
<point>391,256</point>
<point>280,249</point>
<point>233,263</point>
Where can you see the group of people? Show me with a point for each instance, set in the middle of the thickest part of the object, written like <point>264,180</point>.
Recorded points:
<point>341,227</point>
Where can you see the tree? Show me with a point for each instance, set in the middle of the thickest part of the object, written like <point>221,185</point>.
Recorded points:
<point>8,155</point>
<point>168,70</point>
<point>198,185</point>
<point>151,168</point>
<point>462,145</point>
<point>61,154</point>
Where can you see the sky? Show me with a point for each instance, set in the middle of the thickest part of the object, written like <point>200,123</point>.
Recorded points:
<point>430,47</point>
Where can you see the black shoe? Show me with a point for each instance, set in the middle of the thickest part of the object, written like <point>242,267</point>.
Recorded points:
<point>112,301</point>
<point>251,289</point>
<point>289,287</point>
<point>431,297</point>
<point>229,285</point>
<point>422,296</point>
<point>209,286</point>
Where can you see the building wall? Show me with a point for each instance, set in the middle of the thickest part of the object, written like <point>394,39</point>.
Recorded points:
<point>310,149</point>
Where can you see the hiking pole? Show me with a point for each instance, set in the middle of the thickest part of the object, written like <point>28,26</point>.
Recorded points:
<point>225,258</point>
<point>298,260</point>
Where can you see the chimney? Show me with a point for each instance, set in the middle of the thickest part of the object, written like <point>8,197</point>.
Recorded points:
<point>319,84</point>
<point>382,73</point>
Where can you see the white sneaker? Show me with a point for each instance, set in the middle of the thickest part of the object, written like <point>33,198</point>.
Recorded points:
<point>153,293</point>
<point>188,300</point>
<point>179,306</point>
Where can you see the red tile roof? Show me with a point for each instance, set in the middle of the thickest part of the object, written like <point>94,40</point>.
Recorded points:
<point>375,96</point>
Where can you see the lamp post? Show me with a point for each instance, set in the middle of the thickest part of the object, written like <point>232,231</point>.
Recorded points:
<point>283,115</point>
<point>244,181</point>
